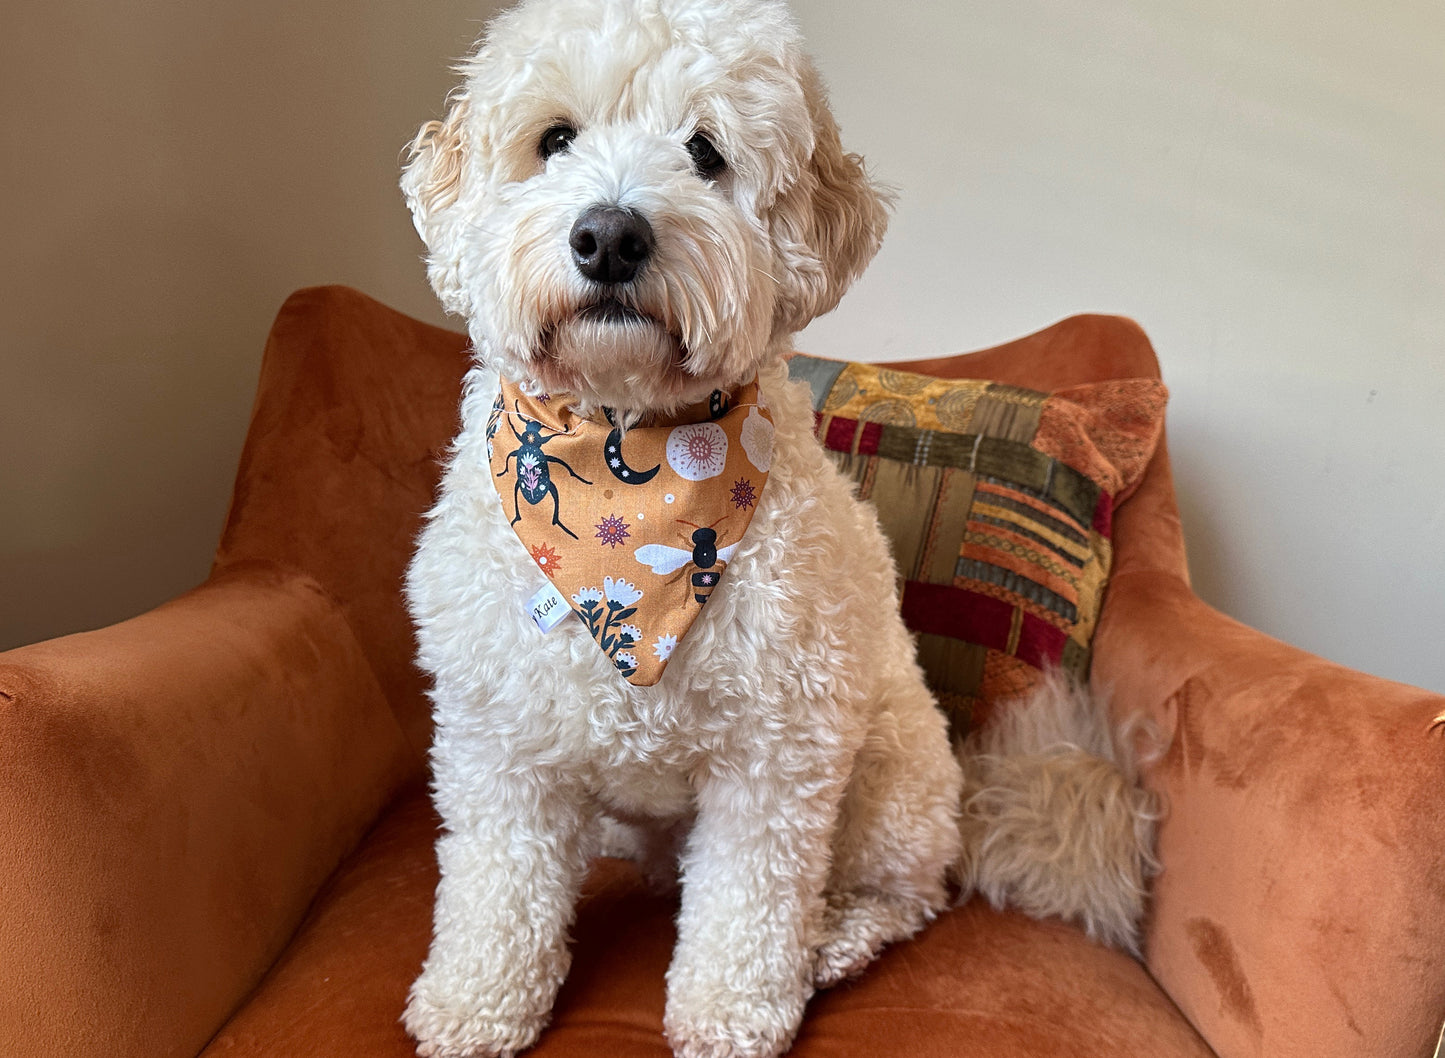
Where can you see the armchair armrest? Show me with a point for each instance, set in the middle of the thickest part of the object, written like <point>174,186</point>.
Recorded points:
<point>173,790</point>
<point>1301,910</point>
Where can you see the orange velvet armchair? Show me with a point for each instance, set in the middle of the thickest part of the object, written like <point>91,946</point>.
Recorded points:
<point>215,836</point>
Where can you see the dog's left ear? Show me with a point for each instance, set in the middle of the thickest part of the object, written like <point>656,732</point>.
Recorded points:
<point>828,225</point>
<point>431,182</point>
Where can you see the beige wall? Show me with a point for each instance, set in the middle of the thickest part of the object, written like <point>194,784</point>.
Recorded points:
<point>1262,186</point>
<point>169,171</point>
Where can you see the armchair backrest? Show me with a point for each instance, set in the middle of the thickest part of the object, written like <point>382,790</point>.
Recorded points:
<point>357,402</point>
<point>354,409</point>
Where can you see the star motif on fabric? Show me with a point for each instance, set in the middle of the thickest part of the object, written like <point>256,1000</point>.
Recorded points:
<point>744,495</point>
<point>612,530</point>
<point>546,558</point>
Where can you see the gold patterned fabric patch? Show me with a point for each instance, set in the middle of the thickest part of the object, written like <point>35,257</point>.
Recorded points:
<point>999,504</point>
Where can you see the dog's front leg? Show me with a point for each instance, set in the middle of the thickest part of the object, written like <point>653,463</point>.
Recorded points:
<point>511,866</point>
<point>753,874</point>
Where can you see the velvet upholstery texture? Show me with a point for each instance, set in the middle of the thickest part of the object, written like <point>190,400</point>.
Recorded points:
<point>214,834</point>
<point>173,789</point>
<point>978,982</point>
<point>354,410</point>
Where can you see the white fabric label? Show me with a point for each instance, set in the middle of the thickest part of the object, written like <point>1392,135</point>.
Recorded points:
<point>547,607</point>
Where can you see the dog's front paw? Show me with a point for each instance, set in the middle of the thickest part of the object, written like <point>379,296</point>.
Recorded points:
<point>450,1028</point>
<point>856,927</point>
<point>744,1027</point>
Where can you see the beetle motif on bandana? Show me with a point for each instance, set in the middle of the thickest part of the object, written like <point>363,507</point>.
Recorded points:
<point>534,478</point>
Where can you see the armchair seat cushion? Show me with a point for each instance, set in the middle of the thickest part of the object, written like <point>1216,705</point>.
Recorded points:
<point>975,982</point>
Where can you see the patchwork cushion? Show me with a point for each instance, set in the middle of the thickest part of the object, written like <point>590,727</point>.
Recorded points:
<point>998,502</point>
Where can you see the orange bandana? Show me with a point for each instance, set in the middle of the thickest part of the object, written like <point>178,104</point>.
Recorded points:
<point>636,541</point>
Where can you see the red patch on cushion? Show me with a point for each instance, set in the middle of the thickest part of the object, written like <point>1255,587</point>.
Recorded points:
<point>938,609</point>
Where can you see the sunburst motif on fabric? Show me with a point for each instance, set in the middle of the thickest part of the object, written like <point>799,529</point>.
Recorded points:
<point>905,383</point>
<point>546,558</point>
<point>845,388</point>
<point>889,411</point>
<point>743,494</point>
<point>612,530</point>
<point>698,451</point>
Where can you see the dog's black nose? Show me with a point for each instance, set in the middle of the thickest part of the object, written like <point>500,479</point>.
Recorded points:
<point>610,245</point>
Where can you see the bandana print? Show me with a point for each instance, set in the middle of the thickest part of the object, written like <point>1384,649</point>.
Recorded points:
<point>635,527</point>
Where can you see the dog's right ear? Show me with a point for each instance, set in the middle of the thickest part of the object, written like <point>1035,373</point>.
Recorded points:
<point>829,224</point>
<point>432,182</point>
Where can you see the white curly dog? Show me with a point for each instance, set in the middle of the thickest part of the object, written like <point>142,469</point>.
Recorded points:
<point>792,742</point>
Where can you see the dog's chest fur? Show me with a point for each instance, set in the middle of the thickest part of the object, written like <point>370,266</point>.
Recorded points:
<point>755,671</point>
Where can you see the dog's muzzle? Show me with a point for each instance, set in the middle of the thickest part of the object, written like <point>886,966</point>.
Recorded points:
<point>611,244</point>
<point>610,310</point>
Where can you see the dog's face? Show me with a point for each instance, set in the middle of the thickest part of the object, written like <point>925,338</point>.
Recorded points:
<point>631,199</point>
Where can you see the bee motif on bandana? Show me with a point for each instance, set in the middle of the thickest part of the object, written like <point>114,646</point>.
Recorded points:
<point>708,559</point>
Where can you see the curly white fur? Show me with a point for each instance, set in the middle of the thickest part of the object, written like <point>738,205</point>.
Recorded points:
<point>791,737</point>
<point>790,760</point>
<point>741,261</point>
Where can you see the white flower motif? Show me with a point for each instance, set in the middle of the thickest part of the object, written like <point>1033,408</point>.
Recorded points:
<point>631,630</point>
<point>528,460</point>
<point>664,646</point>
<point>756,437</point>
<point>586,595</point>
<point>625,660</point>
<point>620,592</point>
<point>697,451</point>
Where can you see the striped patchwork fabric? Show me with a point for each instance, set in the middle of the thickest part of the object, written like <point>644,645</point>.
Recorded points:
<point>999,504</point>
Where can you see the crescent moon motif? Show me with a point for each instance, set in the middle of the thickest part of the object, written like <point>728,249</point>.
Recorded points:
<point>612,456</point>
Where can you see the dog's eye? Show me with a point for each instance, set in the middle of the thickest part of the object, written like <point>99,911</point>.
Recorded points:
<point>556,140</point>
<point>705,158</point>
